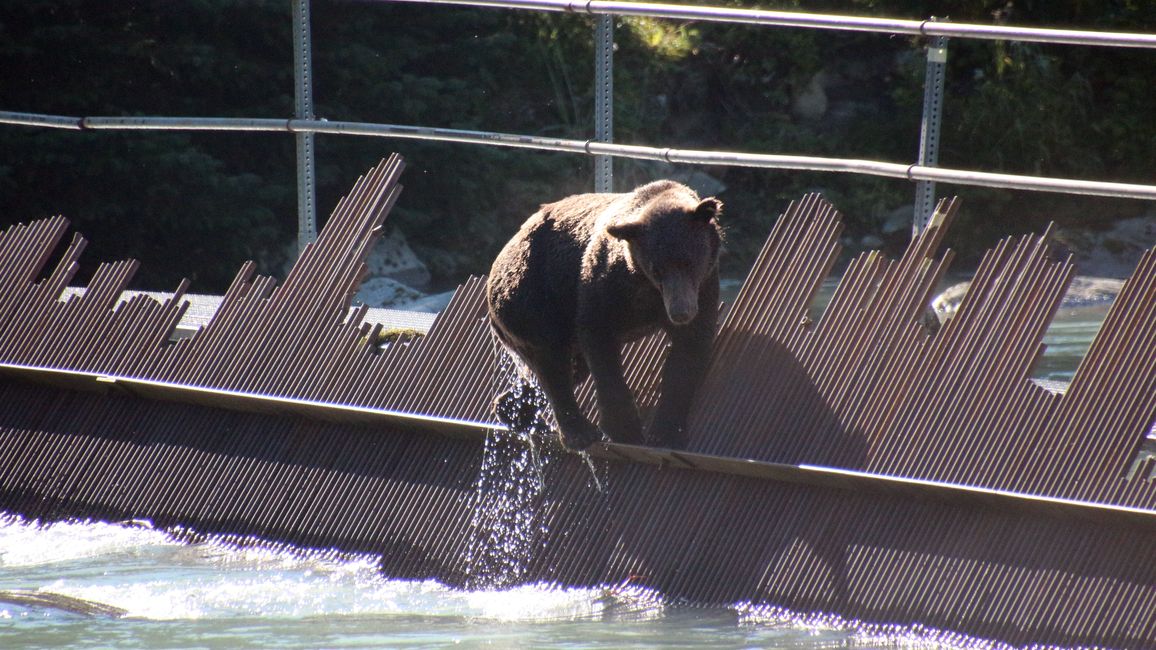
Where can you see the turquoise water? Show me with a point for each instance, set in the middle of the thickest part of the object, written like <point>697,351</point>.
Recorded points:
<point>155,592</point>
<point>1067,340</point>
<point>207,595</point>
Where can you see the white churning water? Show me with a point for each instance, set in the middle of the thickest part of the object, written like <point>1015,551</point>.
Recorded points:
<point>209,595</point>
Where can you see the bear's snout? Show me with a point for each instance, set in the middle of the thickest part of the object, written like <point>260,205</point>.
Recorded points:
<point>681,305</point>
<point>681,315</point>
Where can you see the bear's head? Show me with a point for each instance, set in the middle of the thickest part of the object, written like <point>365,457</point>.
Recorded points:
<point>673,238</point>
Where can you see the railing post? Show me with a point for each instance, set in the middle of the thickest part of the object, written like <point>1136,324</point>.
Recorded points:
<point>604,100</point>
<point>933,83</point>
<point>303,110</point>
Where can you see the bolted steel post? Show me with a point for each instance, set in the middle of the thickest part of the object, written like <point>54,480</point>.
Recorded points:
<point>933,82</point>
<point>604,100</point>
<point>303,110</point>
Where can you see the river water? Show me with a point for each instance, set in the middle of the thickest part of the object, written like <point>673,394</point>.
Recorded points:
<point>131,586</point>
<point>170,594</point>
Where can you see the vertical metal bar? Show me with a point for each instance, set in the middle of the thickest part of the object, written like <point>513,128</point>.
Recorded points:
<point>933,82</point>
<point>303,110</point>
<point>604,100</point>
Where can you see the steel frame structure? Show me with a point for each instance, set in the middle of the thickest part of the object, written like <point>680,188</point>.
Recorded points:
<point>925,171</point>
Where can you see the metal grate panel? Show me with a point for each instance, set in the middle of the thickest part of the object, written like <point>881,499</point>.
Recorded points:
<point>851,464</point>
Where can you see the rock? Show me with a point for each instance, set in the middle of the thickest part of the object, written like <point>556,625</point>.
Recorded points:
<point>947,303</point>
<point>1111,253</point>
<point>1089,291</point>
<point>898,220</point>
<point>53,601</point>
<point>644,171</point>
<point>430,304</point>
<point>393,258</point>
<point>1103,257</point>
<point>701,182</point>
<point>1083,292</point>
<point>386,292</point>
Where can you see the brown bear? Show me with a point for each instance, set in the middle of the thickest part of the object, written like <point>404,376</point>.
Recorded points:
<point>591,272</point>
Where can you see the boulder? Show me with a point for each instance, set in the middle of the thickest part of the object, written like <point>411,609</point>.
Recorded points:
<point>394,273</point>
<point>899,220</point>
<point>1111,253</point>
<point>386,292</point>
<point>393,258</point>
<point>809,103</point>
<point>639,172</point>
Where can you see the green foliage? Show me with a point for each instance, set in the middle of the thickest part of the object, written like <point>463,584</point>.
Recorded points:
<point>201,203</point>
<point>184,204</point>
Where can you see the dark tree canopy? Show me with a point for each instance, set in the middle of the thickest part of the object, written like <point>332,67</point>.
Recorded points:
<point>198,204</point>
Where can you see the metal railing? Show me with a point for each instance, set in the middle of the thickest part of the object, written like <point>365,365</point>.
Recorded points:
<point>925,171</point>
<point>928,27</point>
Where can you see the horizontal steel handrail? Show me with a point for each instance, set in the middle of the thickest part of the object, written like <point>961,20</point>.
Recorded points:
<point>911,172</point>
<point>927,27</point>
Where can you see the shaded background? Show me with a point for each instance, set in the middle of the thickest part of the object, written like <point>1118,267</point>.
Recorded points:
<point>198,204</point>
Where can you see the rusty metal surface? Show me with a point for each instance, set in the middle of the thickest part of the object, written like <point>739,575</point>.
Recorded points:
<point>862,389</point>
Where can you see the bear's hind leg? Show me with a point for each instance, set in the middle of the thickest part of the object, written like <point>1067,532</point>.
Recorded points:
<point>555,373</point>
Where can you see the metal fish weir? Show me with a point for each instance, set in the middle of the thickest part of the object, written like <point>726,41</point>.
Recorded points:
<point>851,464</point>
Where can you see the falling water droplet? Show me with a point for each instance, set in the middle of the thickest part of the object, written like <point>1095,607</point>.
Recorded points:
<point>593,472</point>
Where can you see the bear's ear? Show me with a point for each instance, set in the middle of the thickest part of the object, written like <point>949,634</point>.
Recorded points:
<point>708,210</point>
<point>625,230</point>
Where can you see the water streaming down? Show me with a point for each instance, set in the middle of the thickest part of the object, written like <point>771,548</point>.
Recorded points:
<point>511,485</point>
<point>502,522</point>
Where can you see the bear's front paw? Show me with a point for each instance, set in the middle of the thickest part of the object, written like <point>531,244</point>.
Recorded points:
<point>579,437</point>
<point>622,424</point>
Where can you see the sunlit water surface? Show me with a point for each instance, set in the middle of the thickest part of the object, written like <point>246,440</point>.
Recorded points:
<point>207,595</point>
<point>156,592</point>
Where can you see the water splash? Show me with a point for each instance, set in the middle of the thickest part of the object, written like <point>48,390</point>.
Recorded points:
<point>843,632</point>
<point>148,574</point>
<point>178,594</point>
<point>599,483</point>
<point>28,543</point>
<point>510,488</point>
<point>504,526</point>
